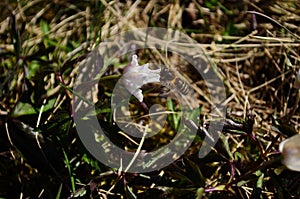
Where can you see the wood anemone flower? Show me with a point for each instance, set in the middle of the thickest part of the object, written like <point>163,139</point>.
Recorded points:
<point>135,76</point>
<point>290,150</point>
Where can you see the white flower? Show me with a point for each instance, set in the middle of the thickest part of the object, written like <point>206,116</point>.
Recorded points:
<point>135,76</point>
<point>290,151</point>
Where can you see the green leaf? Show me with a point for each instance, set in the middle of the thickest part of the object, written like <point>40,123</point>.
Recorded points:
<point>260,181</point>
<point>194,173</point>
<point>220,187</point>
<point>241,183</point>
<point>27,109</point>
<point>238,156</point>
<point>59,191</point>
<point>92,162</point>
<point>34,66</point>
<point>175,117</point>
<point>44,27</point>
<point>68,164</point>
<point>200,192</point>
<point>23,109</point>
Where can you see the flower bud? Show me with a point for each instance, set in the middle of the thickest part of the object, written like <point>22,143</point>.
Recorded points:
<point>290,151</point>
<point>297,81</point>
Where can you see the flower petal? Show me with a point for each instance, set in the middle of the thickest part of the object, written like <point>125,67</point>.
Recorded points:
<point>135,76</point>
